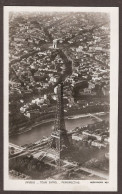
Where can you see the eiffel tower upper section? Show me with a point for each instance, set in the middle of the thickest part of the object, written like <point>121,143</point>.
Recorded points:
<point>60,136</point>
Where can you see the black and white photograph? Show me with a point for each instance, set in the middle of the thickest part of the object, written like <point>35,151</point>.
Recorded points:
<point>60,98</point>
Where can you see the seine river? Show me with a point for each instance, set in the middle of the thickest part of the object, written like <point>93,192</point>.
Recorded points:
<point>45,129</point>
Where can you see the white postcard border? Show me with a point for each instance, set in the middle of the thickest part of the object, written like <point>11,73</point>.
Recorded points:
<point>74,185</point>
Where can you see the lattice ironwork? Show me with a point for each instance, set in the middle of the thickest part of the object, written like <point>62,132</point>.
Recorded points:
<point>59,135</point>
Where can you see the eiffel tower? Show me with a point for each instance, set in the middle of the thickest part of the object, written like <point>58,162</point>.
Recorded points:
<point>60,139</point>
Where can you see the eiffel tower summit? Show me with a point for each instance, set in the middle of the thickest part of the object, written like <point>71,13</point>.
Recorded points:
<point>61,139</point>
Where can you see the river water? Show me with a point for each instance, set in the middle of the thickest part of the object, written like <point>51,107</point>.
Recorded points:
<point>45,129</point>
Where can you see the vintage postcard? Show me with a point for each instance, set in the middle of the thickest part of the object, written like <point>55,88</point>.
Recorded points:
<point>60,98</point>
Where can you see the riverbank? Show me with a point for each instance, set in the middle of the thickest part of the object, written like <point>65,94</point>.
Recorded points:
<point>24,130</point>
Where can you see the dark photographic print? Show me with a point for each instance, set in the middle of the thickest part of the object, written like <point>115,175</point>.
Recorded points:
<point>61,122</point>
